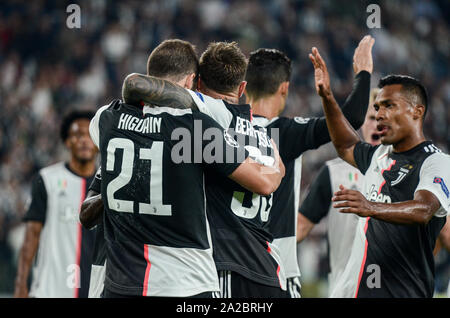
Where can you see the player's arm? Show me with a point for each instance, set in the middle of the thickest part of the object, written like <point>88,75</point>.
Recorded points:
<point>251,171</point>
<point>92,207</point>
<point>343,135</point>
<point>91,210</point>
<point>139,88</point>
<point>444,236</point>
<point>417,211</point>
<point>431,197</point>
<point>316,204</point>
<point>35,219</point>
<point>304,227</point>
<point>259,178</point>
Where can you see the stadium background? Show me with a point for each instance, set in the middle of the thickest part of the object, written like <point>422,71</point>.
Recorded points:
<point>47,68</point>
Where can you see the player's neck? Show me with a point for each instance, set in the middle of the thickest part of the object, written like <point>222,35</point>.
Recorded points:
<point>231,97</point>
<point>410,142</point>
<point>81,168</point>
<point>265,107</point>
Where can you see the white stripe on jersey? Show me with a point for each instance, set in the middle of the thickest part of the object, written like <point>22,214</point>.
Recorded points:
<point>159,110</point>
<point>179,272</point>
<point>56,272</point>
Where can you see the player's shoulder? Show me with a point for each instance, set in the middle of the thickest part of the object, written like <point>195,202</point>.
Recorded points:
<point>336,162</point>
<point>264,121</point>
<point>52,168</point>
<point>436,158</point>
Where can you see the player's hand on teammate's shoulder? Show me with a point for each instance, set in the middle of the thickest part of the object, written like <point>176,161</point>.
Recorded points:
<point>362,58</point>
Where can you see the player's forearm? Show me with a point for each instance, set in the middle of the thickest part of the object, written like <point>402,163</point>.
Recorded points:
<point>138,88</point>
<point>27,253</point>
<point>91,211</point>
<point>355,107</point>
<point>407,212</point>
<point>342,134</point>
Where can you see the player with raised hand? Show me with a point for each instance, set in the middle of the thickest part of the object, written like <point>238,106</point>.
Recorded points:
<point>318,205</point>
<point>268,75</point>
<point>405,199</point>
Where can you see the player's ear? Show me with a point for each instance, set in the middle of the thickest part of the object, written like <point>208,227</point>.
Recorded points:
<point>283,89</point>
<point>199,83</point>
<point>242,87</point>
<point>189,81</point>
<point>419,111</point>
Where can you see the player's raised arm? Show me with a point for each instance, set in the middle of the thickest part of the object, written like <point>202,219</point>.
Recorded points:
<point>342,134</point>
<point>139,88</point>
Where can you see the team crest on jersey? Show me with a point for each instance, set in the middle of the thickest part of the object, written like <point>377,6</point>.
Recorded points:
<point>402,173</point>
<point>301,120</point>
<point>230,140</point>
<point>444,188</point>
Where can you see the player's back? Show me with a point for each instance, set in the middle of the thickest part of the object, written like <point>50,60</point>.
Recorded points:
<point>158,241</point>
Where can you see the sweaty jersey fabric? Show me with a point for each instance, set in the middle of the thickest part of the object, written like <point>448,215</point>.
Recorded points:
<point>396,260</point>
<point>341,226</point>
<point>156,230</point>
<point>63,261</point>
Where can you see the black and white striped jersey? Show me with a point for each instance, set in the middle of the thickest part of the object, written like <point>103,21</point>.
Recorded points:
<point>237,216</point>
<point>63,261</point>
<point>295,136</point>
<point>156,230</point>
<point>401,255</point>
<point>99,250</point>
<point>341,226</point>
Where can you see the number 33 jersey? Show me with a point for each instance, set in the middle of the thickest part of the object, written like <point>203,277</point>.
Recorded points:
<point>156,229</point>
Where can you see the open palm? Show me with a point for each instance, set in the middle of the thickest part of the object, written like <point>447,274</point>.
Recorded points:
<point>321,76</point>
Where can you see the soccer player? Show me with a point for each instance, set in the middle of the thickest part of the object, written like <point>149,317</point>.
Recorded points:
<point>177,61</point>
<point>317,204</point>
<point>63,258</point>
<point>268,75</point>
<point>157,234</point>
<point>247,262</point>
<point>405,199</point>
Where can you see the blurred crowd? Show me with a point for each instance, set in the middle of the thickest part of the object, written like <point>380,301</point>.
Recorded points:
<point>47,69</point>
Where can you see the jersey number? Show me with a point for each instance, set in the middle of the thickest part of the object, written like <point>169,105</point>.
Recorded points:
<point>259,203</point>
<point>155,154</point>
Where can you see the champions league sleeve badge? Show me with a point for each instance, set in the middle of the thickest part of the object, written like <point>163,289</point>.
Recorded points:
<point>443,185</point>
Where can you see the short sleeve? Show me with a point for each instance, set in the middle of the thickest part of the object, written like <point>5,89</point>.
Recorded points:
<point>435,177</point>
<point>220,151</point>
<point>94,129</point>
<point>363,153</point>
<point>317,203</point>
<point>37,210</point>
<point>96,182</point>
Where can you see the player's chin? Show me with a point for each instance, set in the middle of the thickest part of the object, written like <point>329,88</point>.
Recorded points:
<point>85,155</point>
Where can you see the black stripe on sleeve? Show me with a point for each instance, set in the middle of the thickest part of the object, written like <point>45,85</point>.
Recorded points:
<point>38,208</point>
<point>317,203</point>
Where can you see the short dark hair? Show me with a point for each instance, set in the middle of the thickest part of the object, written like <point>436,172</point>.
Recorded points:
<point>70,117</point>
<point>410,86</point>
<point>173,59</point>
<point>222,66</point>
<point>266,70</point>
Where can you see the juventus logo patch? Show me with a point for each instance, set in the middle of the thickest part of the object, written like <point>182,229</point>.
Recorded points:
<point>401,175</point>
